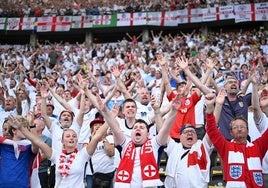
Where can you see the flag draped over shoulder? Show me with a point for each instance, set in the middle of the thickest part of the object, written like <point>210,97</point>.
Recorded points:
<point>15,144</point>
<point>198,164</point>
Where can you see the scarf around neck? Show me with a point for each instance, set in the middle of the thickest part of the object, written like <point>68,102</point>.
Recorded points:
<point>148,165</point>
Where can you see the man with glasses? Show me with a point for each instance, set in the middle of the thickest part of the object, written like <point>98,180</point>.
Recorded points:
<point>242,165</point>
<point>190,156</point>
<point>232,106</point>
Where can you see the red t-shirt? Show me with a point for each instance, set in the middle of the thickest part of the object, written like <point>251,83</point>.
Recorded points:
<point>185,115</point>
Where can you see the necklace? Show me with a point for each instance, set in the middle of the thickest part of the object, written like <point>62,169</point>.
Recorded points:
<point>66,160</point>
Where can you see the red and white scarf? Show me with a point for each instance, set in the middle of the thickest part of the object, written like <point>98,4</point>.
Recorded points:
<point>65,162</point>
<point>149,168</point>
<point>15,144</point>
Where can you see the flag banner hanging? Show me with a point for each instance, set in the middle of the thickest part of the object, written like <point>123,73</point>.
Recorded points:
<point>261,11</point>
<point>226,12</point>
<point>244,13</point>
<point>3,23</point>
<point>55,23</point>
<point>183,16</point>
<point>209,14</point>
<point>239,13</point>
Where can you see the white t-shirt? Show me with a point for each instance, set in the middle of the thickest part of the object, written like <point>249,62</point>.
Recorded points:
<point>101,162</point>
<point>262,125</point>
<point>144,111</point>
<point>85,129</point>
<point>179,161</point>
<point>56,133</point>
<point>123,127</point>
<point>199,111</point>
<point>136,176</point>
<point>76,173</point>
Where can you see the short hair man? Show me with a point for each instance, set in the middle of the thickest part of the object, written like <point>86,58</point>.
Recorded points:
<point>241,158</point>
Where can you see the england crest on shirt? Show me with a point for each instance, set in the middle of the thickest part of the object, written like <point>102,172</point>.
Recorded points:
<point>258,178</point>
<point>235,171</point>
<point>187,102</point>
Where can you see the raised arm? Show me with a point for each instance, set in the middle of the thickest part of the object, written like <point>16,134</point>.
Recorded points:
<point>210,66</point>
<point>23,126</point>
<point>18,102</point>
<point>245,88</point>
<point>108,116</point>
<point>165,78</point>
<point>210,106</point>
<point>4,85</point>
<point>139,36</point>
<point>212,82</point>
<point>183,63</point>
<point>44,95</point>
<point>91,147</point>
<point>157,114</point>
<point>129,36</point>
<point>60,100</point>
<point>163,134</point>
<point>257,112</point>
<point>82,84</point>
<point>219,102</point>
<point>152,33</point>
<point>116,72</point>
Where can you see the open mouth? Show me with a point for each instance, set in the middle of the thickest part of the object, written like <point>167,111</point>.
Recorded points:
<point>189,139</point>
<point>264,93</point>
<point>138,134</point>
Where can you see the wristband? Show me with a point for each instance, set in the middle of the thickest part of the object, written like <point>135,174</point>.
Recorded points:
<point>33,126</point>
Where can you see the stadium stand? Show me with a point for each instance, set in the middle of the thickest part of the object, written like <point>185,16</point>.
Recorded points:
<point>237,38</point>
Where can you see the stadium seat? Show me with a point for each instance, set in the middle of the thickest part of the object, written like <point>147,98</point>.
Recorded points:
<point>216,173</point>
<point>216,183</point>
<point>215,159</point>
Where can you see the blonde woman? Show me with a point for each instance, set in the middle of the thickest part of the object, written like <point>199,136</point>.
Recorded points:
<point>69,161</point>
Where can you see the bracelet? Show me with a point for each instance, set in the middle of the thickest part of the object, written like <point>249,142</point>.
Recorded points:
<point>33,126</point>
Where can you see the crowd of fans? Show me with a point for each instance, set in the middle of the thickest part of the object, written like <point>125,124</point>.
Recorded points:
<point>54,74</point>
<point>29,8</point>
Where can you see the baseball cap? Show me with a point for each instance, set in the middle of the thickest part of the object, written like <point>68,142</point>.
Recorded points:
<point>50,104</point>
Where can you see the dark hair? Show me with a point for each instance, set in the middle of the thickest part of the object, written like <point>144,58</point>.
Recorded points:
<point>238,118</point>
<point>60,85</point>
<point>98,115</point>
<point>144,122</point>
<point>6,119</point>
<point>129,100</point>
<point>186,126</point>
